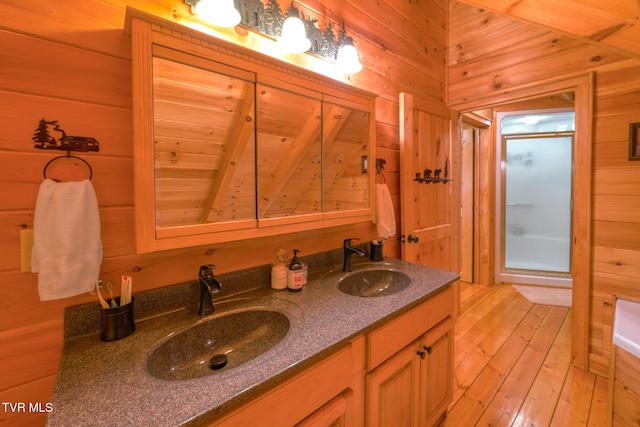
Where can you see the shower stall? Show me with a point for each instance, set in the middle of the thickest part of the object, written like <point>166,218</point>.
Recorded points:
<point>534,197</point>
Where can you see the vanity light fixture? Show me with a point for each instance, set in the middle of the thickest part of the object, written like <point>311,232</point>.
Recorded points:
<point>294,35</point>
<point>220,13</point>
<point>293,32</point>
<point>348,61</point>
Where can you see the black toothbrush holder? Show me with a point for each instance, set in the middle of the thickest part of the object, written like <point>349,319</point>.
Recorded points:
<point>116,323</point>
<point>376,250</point>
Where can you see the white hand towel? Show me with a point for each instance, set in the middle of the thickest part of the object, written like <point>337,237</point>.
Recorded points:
<point>67,248</point>
<point>385,216</point>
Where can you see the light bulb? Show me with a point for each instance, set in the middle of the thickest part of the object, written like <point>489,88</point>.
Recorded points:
<point>294,35</point>
<point>220,13</point>
<point>348,61</point>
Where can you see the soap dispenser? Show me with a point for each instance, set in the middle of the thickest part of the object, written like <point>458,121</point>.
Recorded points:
<point>296,276</point>
<point>279,270</point>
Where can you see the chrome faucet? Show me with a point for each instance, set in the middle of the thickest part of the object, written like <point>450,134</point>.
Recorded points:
<point>208,286</point>
<point>348,251</point>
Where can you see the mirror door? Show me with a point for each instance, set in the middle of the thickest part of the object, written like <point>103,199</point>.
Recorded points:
<point>346,139</point>
<point>289,155</point>
<point>203,144</point>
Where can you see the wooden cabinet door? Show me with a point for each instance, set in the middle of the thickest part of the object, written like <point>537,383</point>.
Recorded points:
<point>436,373</point>
<point>332,414</point>
<point>393,390</point>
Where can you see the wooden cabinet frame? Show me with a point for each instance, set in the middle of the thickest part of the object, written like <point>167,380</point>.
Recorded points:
<point>148,31</point>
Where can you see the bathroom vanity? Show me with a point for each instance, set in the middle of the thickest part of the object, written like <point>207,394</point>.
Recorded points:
<point>344,360</point>
<point>400,369</point>
<point>231,144</point>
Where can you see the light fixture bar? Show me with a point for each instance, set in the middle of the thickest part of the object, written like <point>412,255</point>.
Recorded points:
<point>294,33</point>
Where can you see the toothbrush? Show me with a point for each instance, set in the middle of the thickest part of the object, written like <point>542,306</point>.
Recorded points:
<point>103,303</point>
<point>113,302</point>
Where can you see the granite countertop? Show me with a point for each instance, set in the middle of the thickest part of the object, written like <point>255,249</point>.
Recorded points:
<point>107,383</point>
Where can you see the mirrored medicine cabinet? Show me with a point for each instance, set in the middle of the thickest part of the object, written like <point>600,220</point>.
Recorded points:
<point>230,144</point>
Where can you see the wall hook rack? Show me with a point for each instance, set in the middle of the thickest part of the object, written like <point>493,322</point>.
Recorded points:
<point>429,176</point>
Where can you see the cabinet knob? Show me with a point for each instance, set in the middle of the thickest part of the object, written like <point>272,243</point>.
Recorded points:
<point>428,349</point>
<point>422,354</point>
<point>413,239</point>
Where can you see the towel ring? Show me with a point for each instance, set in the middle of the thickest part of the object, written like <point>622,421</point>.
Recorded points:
<point>68,156</point>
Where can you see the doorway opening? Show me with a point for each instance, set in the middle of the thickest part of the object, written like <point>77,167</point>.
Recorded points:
<point>534,187</point>
<point>573,94</point>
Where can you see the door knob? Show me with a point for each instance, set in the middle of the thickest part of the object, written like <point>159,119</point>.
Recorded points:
<point>413,239</point>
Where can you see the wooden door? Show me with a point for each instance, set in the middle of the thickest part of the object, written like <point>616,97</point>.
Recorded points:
<point>429,139</point>
<point>436,373</point>
<point>392,390</point>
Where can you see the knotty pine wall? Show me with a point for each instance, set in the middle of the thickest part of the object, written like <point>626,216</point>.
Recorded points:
<point>70,61</point>
<point>489,55</point>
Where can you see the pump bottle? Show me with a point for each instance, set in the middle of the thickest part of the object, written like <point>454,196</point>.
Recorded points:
<point>279,270</point>
<point>296,276</point>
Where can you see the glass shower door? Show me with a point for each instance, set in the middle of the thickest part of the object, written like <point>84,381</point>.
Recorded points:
<point>536,226</point>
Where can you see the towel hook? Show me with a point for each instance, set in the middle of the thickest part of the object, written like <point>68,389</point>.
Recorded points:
<point>379,168</point>
<point>68,156</point>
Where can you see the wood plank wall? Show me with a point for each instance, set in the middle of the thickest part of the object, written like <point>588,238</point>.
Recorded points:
<point>70,61</point>
<point>490,55</point>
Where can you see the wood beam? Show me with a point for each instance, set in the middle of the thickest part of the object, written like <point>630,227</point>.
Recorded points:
<point>296,153</point>
<point>241,132</point>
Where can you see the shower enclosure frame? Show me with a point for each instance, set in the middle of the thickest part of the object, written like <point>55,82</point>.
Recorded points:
<point>522,275</point>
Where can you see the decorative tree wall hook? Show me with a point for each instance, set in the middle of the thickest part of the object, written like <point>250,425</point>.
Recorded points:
<point>45,138</point>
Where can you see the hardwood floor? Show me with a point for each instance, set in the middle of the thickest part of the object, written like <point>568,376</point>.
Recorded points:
<point>513,368</point>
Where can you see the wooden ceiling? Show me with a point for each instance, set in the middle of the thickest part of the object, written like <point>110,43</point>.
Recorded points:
<point>614,24</point>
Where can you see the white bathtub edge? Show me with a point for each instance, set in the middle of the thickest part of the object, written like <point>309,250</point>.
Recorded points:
<point>626,333</point>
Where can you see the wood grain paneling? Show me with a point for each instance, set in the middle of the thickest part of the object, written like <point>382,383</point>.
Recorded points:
<point>611,25</point>
<point>33,62</point>
<point>491,54</point>
<point>41,341</point>
<point>95,26</point>
<point>37,392</point>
